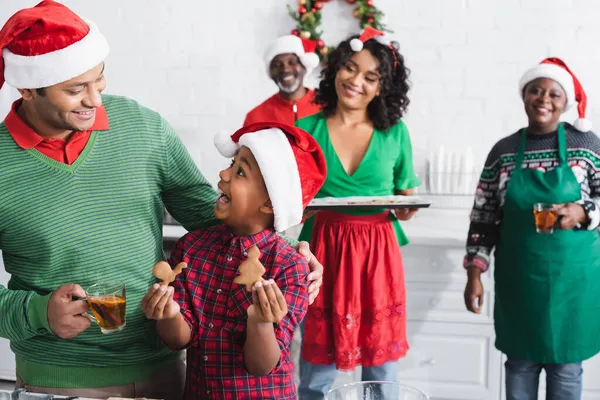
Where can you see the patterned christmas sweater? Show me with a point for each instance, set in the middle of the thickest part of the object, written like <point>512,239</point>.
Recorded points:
<point>541,153</point>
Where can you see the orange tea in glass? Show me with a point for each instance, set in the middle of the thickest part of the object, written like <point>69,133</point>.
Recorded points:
<point>107,306</point>
<point>545,217</point>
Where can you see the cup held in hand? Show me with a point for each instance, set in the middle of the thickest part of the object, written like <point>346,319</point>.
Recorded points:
<point>545,217</point>
<point>107,304</point>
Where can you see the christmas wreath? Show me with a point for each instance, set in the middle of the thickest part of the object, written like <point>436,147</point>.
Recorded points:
<point>308,20</point>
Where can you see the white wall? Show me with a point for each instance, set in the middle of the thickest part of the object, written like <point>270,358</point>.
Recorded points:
<point>200,64</point>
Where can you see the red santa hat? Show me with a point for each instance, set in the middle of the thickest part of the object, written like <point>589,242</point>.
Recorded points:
<point>367,34</point>
<point>291,161</point>
<point>291,44</point>
<point>48,44</point>
<point>555,69</point>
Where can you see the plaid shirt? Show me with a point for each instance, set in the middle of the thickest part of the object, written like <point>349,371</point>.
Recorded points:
<point>215,308</point>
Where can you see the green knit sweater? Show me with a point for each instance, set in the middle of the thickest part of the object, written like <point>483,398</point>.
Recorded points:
<point>95,220</point>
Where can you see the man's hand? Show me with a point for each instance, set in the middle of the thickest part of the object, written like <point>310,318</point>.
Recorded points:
<point>405,214</point>
<point>268,303</point>
<point>316,271</point>
<point>65,314</point>
<point>570,215</point>
<point>158,303</point>
<point>474,291</point>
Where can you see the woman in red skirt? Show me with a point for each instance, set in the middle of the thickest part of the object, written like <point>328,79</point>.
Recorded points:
<point>359,319</point>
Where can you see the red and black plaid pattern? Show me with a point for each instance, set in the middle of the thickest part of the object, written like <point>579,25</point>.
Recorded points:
<point>215,308</point>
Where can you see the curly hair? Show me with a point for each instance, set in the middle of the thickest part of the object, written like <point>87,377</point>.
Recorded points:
<point>384,110</point>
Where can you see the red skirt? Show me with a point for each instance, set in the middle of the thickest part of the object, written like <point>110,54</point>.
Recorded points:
<point>359,317</point>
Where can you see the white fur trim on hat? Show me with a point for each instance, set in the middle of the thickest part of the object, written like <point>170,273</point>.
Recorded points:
<point>33,72</point>
<point>224,144</point>
<point>273,153</point>
<point>356,44</point>
<point>290,44</point>
<point>553,72</point>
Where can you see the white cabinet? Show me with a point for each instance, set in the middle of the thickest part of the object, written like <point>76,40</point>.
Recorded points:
<point>452,360</point>
<point>452,354</point>
<point>7,358</point>
<point>591,383</point>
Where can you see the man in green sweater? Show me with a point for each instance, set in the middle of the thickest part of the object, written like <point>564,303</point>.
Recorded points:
<point>83,181</point>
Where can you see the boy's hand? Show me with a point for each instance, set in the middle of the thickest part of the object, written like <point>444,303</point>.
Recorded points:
<point>269,304</point>
<point>158,303</point>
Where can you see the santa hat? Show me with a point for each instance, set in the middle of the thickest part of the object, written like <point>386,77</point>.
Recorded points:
<point>369,33</point>
<point>291,44</point>
<point>555,69</point>
<point>291,161</point>
<point>48,44</point>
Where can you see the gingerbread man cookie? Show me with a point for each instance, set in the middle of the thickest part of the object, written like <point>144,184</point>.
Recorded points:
<point>165,273</point>
<point>251,270</point>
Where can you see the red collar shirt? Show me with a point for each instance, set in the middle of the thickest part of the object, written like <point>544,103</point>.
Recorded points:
<point>278,109</point>
<point>61,150</point>
<point>215,308</point>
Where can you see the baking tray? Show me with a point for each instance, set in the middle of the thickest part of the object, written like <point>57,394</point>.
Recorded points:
<point>367,202</point>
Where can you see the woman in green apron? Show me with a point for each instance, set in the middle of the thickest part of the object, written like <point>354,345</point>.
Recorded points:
<point>547,285</point>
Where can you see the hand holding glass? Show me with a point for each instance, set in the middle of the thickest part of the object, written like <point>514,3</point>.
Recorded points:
<point>107,306</point>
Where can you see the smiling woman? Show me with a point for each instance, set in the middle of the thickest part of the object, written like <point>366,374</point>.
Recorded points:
<point>357,321</point>
<point>546,283</point>
<point>385,86</point>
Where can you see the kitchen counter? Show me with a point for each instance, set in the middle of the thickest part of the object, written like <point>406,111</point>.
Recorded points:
<point>437,222</point>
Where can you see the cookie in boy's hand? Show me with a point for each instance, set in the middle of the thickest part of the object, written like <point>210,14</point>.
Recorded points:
<point>163,271</point>
<point>251,270</point>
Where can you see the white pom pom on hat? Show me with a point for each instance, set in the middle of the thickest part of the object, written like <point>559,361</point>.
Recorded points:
<point>556,69</point>
<point>583,124</point>
<point>356,45</point>
<point>225,144</point>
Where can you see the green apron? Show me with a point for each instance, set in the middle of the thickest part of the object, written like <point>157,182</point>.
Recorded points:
<point>547,286</point>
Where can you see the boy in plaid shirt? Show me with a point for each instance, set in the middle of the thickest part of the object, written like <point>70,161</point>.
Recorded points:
<point>238,340</point>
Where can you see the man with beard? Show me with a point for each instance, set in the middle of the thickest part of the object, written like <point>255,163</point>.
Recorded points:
<point>288,59</point>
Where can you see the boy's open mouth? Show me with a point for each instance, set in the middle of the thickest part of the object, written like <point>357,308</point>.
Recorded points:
<point>223,198</point>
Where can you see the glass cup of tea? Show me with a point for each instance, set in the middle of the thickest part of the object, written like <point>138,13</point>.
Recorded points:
<point>545,217</point>
<point>107,306</point>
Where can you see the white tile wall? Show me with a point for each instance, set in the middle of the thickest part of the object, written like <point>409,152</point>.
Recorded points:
<point>200,62</point>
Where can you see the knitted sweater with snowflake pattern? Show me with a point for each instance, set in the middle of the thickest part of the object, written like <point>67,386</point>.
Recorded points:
<point>541,153</point>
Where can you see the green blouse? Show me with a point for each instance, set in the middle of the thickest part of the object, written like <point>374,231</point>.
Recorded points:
<point>386,166</point>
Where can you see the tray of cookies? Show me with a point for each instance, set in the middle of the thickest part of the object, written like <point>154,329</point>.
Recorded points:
<point>367,202</point>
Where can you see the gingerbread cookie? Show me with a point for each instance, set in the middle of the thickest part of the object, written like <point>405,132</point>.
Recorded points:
<point>251,270</point>
<point>165,273</point>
